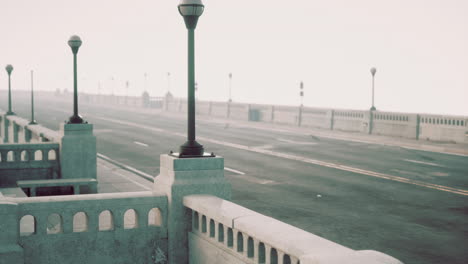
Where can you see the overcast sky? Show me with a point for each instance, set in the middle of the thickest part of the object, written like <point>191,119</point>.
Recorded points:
<point>419,47</point>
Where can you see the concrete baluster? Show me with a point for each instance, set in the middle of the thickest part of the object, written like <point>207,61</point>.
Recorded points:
<point>93,220</point>
<point>267,253</point>
<point>67,222</point>
<point>280,257</point>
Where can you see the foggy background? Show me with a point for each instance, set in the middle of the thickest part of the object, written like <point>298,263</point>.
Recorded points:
<point>419,47</point>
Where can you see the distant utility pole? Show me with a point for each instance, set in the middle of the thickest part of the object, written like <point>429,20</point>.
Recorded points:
<point>301,94</point>
<point>168,82</point>
<point>230,87</point>
<point>373,70</point>
<point>126,91</point>
<point>146,88</point>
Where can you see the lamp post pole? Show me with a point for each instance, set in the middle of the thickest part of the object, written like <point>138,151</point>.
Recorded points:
<point>373,71</point>
<point>191,10</point>
<point>301,94</point>
<point>126,91</point>
<point>33,121</point>
<point>75,42</point>
<point>9,69</point>
<point>230,87</point>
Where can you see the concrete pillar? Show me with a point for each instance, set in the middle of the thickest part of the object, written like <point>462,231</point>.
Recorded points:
<point>10,251</point>
<point>77,151</point>
<point>418,126</point>
<point>330,119</point>
<point>368,122</point>
<point>178,178</point>
<point>6,124</point>
<point>272,114</point>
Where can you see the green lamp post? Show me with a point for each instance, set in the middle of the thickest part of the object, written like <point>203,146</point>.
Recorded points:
<point>75,42</point>
<point>9,69</point>
<point>191,10</point>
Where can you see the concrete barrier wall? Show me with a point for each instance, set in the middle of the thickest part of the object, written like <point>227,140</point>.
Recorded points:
<point>443,128</point>
<point>223,232</point>
<point>315,117</point>
<point>395,124</point>
<point>203,108</point>
<point>219,109</point>
<point>349,120</point>
<point>238,111</point>
<point>383,123</point>
<point>16,129</point>
<point>28,162</point>
<point>286,115</point>
<point>96,228</point>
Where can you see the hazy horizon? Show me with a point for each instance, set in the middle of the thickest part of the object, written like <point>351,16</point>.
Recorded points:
<point>418,47</point>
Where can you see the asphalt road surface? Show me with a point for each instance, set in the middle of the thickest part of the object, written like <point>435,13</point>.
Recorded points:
<point>410,204</point>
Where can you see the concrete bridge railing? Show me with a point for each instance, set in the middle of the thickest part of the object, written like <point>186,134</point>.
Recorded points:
<point>93,228</point>
<point>33,161</point>
<point>73,146</point>
<point>406,125</point>
<point>224,232</point>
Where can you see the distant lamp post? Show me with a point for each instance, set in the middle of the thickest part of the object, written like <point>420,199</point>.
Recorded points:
<point>373,71</point>
<point>301,94</point>
<point>168,82</point>
<point>191,10</point>
<point>33,121</point>
<point>9,69</point>
<point>75,42</point>
<point>230,87</point>
<point>126,91</point>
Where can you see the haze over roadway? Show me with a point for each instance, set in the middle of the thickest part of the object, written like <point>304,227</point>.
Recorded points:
<point>407,203</point>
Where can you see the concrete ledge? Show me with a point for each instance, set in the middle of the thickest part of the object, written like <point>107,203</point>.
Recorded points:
<point>274,234</point>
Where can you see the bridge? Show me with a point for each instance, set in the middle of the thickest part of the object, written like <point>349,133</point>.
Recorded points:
<point>292,184</point>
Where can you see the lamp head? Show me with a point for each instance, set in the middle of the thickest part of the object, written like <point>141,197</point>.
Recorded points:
<point>74,42</point>
<point>191,10</point>
<point>9,69</point>
<point>373,70</point>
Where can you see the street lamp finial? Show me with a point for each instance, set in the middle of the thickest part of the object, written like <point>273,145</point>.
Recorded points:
<point>74,42</point>
<point>9,69</point>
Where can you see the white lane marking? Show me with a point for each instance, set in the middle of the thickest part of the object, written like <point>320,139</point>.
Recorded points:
<point>424,163</point>
<point>233,170</point>
<point>296,142</point>
<point>141,144</point>
<point>145,175</point>
<point>127,178</point>
<point>307,160</point>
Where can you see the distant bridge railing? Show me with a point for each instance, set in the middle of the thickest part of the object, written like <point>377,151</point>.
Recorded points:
<point>15,129</point>
<point>407,125</point>
<point>223,232</point>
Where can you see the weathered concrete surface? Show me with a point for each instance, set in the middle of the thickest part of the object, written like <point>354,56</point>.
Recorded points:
<point>77,151</point>
<point>250,229</point>
<point>10,251</point>
<point>178,178</point>
<point>54,234</point>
